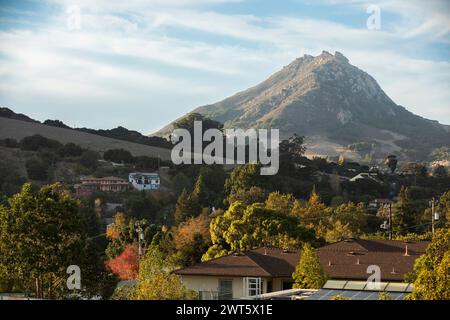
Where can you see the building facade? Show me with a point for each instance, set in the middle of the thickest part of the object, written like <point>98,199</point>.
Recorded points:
<point>88,185</point>
<point>145,181</point>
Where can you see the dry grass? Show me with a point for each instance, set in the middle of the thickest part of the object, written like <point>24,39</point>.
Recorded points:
<point>10,128</point>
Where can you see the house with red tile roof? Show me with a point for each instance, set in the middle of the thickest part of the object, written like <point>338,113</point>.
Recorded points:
<point>88,185</point>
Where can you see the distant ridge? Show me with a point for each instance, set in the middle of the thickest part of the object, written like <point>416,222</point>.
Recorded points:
<point>120,133</point>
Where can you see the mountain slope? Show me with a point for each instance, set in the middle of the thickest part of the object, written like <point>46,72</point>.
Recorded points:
<point>336,105</point>
<point>17,129</point>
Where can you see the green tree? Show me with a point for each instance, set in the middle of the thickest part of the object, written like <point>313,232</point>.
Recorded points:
<point>405,215</point>
<point>243,227</point>
<point>200,193</point>
<point>89,159</point>
<point>119,156</point>
<point>41,234</point>
<point>248,197</point>
<point>244,177</point>
<point>280,202</point>
<point>432,271</point>
<point>309,274</point>
<point>37,169</point>
<point>186,207</point>
<point>155,280</point>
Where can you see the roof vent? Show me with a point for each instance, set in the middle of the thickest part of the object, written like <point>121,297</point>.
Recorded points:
<point>329,263</point>
<point>238,254</point>
<point>357,261</point>
<point>393,270</point>
<point>265,251</point>
<point>351,253</point>
<point>348,240</point>
<point>406,254</point>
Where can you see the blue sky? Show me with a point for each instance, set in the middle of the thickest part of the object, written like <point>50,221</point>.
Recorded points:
<point>141,64</point>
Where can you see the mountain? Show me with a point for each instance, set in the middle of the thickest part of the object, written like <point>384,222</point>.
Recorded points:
<point>337,106</point>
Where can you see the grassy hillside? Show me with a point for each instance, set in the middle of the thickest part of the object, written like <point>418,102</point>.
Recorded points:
<point>11,128</point>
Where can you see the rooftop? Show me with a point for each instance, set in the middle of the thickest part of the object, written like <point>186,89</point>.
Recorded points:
<point>346,259</point>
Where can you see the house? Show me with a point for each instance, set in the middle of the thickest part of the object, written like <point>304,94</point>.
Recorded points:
<point>366,176</point>
<point>242,275</point>
<point>379,203</point>
<point>88,185</point>
<point>257,272</point>
<point>144,181</point>
<point>349,264</point>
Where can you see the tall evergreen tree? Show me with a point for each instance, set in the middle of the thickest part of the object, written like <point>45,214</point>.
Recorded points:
<point>405,216</point>
<point>309,274</point>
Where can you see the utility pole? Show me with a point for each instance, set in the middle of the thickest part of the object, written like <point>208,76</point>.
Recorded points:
<point>434,214</point>
<point>140,237</point>
<point>390,221</point>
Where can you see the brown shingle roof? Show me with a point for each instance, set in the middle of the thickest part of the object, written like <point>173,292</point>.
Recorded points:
<point>262,262</point>
<point>389,255</point>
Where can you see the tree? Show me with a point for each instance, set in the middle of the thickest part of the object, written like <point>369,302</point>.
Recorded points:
<point>41,234</point>
<point>405,216</point>
<point>309,274</point>
<point>187,123</point>
<point>431,270</point>
<point>440,172</point>
<point>280,202</point>
<point>186,207</point>
<point>243,228</point>
<point>89,159</point>
<point>391,161</point>
<point>37,169</point>
<point>444,205</point>
<point>118,156</point>
<point>248,197</point>
<point>244,177</point>
<point>37,142</point>
<point>156,281</point>
<point>338,232</point>
<point>125,265</point>
<point>192,239</point>
<point>291,153</point>
<point>70,150</point>
<point>200,194</point>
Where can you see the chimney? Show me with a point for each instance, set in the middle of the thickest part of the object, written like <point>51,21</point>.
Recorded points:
<point>406,252</point>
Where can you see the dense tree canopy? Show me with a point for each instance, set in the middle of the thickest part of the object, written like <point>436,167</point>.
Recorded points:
<point>432,270</point>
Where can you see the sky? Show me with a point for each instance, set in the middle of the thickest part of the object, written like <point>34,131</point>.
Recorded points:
<point>143,63</point>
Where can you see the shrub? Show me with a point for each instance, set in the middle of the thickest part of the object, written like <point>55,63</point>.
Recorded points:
<point>37,169</point>
<point>37,142</point>
<point>118,156</point>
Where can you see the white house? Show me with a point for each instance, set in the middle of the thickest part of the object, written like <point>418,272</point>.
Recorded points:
<point>144,181</point>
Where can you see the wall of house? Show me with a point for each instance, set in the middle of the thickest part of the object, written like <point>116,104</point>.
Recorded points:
<point>211,284</point>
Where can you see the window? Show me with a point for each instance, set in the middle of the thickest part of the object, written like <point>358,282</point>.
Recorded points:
<point>287,285</point>
<point>225,289</point>
<point>252,286</point>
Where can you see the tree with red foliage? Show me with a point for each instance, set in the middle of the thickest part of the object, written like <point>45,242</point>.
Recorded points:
<point>126,264</point>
